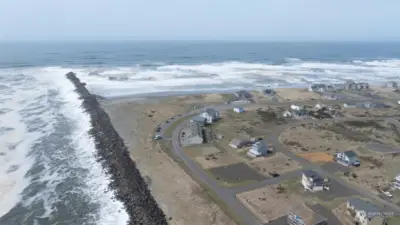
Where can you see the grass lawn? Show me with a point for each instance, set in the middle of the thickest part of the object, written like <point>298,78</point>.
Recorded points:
<point>171,128</point>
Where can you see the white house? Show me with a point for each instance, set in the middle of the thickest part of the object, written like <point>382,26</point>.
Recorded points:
<point>312,181</point>
<point>287,114</point>
<point>363,212</point>
<point>211,115</point>
<point>295,107</point>
<point>396,182</point>
<point>259,148</point>
<point>319,106</point>
<point>238,109</point>
<point>243,94</point>
<point>349,105</point>
<point>348,158</point>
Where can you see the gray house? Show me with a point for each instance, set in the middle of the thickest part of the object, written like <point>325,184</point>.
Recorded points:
<point>372,105</point>
<point>317,88</point>
<point>353,86</point>
<point>243,95</point>
<point>348,158</point>
<point>192,134</point>
<point>211,115</point>
<point>363,212</point>
<point>199,119</point>
<point>392,84</point>
<point>350,105</point>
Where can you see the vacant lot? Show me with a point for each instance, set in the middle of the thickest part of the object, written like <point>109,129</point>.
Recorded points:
<point>378,131</point>
<point>316,138</point>
<point>296,94</point>
<point>277,163</point>
<point>216,160</point>
<point>317,156</point>
<point>236,173</point>
<point>201,150</point>
<point>365,113</point>
<point>376,170</point>
<point>274,201</point>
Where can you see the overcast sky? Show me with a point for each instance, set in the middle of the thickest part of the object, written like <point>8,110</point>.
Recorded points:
<point>269,20</point>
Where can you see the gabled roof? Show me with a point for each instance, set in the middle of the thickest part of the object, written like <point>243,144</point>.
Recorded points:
<point>370,209</point>
<point>350,154</point>
<point>210,111</point>
<point>312,174</point>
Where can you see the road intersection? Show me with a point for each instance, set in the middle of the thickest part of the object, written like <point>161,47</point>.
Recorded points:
<point>228,195</point>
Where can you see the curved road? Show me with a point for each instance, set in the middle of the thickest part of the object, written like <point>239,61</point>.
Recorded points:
<point>228,195</point>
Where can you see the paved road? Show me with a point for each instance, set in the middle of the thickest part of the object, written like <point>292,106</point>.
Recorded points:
<point>228,195</point>
<point>199,173</point>
<point>318,169</point>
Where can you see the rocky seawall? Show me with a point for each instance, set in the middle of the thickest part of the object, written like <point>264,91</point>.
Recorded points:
<point>126,181</point>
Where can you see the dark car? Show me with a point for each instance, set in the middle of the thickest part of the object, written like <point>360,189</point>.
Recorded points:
<point>274,174</point>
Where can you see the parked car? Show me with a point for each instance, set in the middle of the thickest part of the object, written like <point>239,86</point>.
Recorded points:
<point>157,137</point>
<point>387,194</point>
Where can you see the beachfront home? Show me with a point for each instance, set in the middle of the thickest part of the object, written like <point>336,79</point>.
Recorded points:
<point>396,182</point>
<point>267,91</point>
<point>287,114</point>
<point>354,86</point>
<point>347,158</point>
<point>350,105</point>
<point>295,107</point>
<point>238,109</point>
<point>392,85</point>
<point>236,143</point>
<point>198,119</point>
<point>211,115</point>
<point>312,181</point>
<point>373,105</point>
<point>243,95</point>
<point>363,212</point>
<point>320,88</point>
<point>192,134</point>
<point>259,148</point>
<point>330,96</point>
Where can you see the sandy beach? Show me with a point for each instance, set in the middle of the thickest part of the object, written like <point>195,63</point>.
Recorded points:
<point>180,197</point>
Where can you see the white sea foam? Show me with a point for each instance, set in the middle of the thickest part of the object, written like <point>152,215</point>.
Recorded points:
<point>15,143</point>
<point>111,211</point>
<point>29,94</point>
<point>165,78</point>
<point>29,118</point>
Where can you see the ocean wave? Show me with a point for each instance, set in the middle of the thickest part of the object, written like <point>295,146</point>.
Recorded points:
<point>163,77</point>
<point>48,170</point>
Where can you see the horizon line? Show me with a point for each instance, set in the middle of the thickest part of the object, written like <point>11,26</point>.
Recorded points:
<point>199,40</point>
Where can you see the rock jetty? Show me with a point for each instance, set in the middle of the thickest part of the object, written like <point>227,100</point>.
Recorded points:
<point>126,181</point>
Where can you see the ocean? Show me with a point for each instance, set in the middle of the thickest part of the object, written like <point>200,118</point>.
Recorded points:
<point>48,172</point>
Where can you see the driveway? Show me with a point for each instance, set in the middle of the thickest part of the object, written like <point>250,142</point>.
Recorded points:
<point>228,195</point>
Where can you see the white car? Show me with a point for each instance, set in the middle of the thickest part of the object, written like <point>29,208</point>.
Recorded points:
<point>387,194</point>
<point>157,137</point>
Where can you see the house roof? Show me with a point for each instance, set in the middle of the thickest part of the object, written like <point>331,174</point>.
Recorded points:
<point>235,142</point>
<point>193,130</point>
<point>312,174</point>
<point>198,119</point>
<point>350,154</point>
<point>210,111</point>
<point>243,94</point>
<point>370,209</point>
<point>350,103</point>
